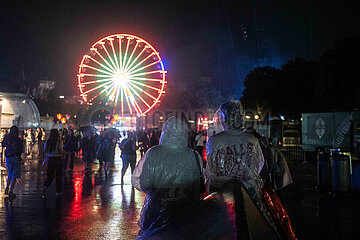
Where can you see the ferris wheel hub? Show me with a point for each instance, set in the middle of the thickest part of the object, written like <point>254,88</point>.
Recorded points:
<point>121,78</point>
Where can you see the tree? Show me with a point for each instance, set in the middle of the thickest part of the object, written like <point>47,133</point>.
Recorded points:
<point>262,89</point>
<point>330,83</point>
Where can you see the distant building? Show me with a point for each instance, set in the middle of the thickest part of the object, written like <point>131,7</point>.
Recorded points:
<point>18,109</point>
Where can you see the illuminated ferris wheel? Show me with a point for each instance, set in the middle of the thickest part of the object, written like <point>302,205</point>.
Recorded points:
<point>123,71</point>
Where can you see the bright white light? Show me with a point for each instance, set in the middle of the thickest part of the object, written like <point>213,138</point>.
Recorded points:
<point>61,96</point>
<point>120,78</point>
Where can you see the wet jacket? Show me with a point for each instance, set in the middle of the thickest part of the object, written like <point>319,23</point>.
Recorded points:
<point>169,174</point>
<point>233,154</point>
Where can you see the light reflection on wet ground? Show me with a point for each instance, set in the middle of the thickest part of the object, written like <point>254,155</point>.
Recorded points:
<point>91,206</point>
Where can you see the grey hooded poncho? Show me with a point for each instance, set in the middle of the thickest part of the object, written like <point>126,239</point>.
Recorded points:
<point>169,174</point>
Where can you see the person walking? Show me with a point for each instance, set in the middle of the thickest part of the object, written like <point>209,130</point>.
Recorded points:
<point>39,141</point>
<point>13,151</point>
<point>30,138</point>
<point>128,154</point>
<point>88,146</point>
<point>234,164</point>
<point>70,147</point>
<point>54,160</point>
<point>170,174</point>
<point>104,151</point>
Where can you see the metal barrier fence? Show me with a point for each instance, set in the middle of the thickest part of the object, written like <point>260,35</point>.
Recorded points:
<point>294,153</point>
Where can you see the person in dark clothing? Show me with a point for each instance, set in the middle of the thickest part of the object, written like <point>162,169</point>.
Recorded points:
<point>14,149</point>
<point>88,146</point>
<point>39,142</point>
<point>54,160</point>
<point>143,142</point>
<point>105,151</point>
<point>153,140</point>
<point>70,147</point>
<point>99,151</point>
<point>128,154</point>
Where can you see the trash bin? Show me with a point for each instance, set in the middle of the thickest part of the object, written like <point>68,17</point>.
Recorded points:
<point>322,169</point>
<point>340,172</point>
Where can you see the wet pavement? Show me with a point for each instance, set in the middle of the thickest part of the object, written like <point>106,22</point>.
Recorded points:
<point>317,214</point>
<point>91,206</point>
<point>95,207</point>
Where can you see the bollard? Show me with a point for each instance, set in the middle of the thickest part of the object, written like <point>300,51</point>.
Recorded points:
<point>322,169</point>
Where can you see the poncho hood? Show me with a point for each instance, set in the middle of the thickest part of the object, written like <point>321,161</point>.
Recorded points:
<point>232,115</point>
<point>174,133</point>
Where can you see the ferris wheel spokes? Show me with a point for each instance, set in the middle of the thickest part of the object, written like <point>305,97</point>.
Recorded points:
<point>101,56</point>
<point>145,85</point>
<point>146,73</point>
<point>129,67</point>
<point>138,95</point>
<point>126,51</point>
<point>95,88</point>
<point>96,81</point>
<point>142,90</point>
<point>102,65</point>
<point>147,66</point>
<point>113,50</point>
<point>107,53</point>
<point>148,79</point>
<point>132,54</point>
<point>102,91</point>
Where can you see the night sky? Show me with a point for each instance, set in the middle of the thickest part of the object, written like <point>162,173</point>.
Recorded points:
<point>198,39</point>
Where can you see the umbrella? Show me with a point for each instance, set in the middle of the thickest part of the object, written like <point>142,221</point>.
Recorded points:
<point>87,128</point>
<point>112,132</point>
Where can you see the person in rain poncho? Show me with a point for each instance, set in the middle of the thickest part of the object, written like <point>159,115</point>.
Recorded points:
<point>169,173</point>
<point>234,163</point>
<point>233,153</point>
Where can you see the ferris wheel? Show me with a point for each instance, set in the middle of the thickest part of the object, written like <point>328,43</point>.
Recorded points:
<point>123,71</point>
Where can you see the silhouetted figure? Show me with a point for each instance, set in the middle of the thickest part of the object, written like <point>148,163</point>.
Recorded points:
<point>88,146</point>
<point>13,151</point>
<point>70,147</point>
<point>54,160</point>
<point>128,154</point>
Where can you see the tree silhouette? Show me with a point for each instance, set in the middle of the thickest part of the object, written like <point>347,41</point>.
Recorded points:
<point>330,83</point>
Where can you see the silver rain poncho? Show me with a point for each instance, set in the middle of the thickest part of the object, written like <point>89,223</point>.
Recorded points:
<point>169,174</point>
<point>235,155</point>
<point>232,153</point>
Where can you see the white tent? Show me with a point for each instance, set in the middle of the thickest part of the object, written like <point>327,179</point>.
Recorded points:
<point>18,109</point>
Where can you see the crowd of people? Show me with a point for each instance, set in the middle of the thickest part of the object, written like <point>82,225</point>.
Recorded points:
<point>33,142</point>
<point>239,203</point>
<point>232,193</point>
